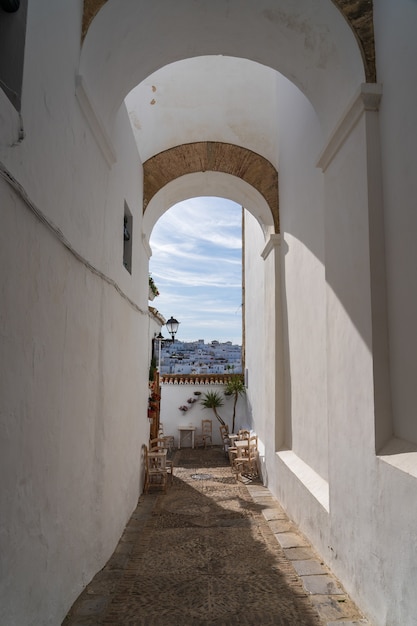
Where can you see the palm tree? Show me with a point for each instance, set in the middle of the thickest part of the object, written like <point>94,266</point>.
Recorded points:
<point>235,387</point>
<point>213,400</point>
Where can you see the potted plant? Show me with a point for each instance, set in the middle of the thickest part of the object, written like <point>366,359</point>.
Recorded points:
<point>153,289</point>
<point>213,400</point>
<point>235,387</point>
<point>152,369</point>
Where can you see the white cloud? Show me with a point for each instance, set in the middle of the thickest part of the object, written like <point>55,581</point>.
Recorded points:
<point>162,251</point>
<point>201,219</point>
<point>196,264</point>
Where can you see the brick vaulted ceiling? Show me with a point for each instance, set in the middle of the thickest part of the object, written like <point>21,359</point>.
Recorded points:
<point>212,156</point>
<point>358,14</point>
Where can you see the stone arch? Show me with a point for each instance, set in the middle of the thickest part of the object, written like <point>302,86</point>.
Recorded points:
<point>358,14</point>
<point>310,44</point>
<point>213,156</point>
<point>208,183</point>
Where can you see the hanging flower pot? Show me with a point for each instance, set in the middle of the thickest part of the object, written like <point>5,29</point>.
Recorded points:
<point>153,289</point>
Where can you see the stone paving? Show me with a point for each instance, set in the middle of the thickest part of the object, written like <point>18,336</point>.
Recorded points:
<point>212,552</point>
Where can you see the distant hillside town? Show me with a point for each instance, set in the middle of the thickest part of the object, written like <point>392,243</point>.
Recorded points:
<point>197,357</point>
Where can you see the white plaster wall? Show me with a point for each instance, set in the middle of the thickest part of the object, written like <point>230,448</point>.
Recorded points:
<point>350,372</point>
<point>353,518</point>
<point>299,420</point>
<point>259,343</point>
<point>309,42</point>
<point>373,530</point>
<point>175,395</point>
<point>367,535</point>
<point>396,49</point>
<point>74,335</point>
<point>65,172</point>
<point>356,526</point>
<point>208,98</point>
<point>303,276</point>
<point>73,418</point>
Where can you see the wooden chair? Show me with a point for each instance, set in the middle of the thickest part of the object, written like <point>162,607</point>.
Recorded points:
<point>206,434</point>
<point>224,434</point>
<point>169,438</point>
<point>232,454</point>
<point>155,469</point>
<point>158,444</point>
<point>246,460</point>
<point>233,451</point>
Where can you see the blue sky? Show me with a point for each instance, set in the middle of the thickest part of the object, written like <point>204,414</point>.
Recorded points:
<point>196,264</point>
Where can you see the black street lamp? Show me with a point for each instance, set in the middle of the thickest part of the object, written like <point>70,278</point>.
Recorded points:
<point>172,327</point>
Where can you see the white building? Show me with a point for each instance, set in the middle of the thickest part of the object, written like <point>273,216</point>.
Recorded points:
<point>186,357</point>
<point>111,111</point>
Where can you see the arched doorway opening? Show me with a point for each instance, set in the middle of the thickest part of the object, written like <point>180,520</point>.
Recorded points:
<point>321,107</point>
<point>196,263</point>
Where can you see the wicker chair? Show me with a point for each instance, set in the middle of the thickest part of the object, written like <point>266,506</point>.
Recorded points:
<point>155,469</point>
<point>158,444</point>
<point>168,438</point>
<point>246,460</point>
<point>224,434</point>
<point>205,437</point>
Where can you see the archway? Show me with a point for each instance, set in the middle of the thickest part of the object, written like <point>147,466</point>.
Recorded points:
<point>312,45</point>
<point>360,19</point>
<point>318,53</point>
<point>214,157</point>
<point>208,183</point>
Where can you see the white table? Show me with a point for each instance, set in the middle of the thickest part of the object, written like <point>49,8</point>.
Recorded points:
<point>188,432</point>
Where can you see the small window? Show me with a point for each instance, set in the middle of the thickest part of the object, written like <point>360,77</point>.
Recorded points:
<point>127,239</point>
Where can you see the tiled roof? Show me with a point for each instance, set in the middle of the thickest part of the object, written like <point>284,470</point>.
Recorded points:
<point>195,379</point>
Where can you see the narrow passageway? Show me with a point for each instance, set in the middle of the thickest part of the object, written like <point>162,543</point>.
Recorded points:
<point>207,553</point>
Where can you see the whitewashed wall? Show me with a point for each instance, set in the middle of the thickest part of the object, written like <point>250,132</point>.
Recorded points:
<point>377,527</point>
<point>303,276</point>
<point>345,497</point>
<point>396,48</point>
<point>174,396</point>
<point>394,491</point>
<point>257,335</point>
<point>286,325</point>
<point>74,334</point>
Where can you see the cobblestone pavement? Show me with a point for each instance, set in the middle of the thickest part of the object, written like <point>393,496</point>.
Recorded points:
<point>212,552</point>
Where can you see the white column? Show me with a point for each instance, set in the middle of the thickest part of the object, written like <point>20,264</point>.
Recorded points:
<point>274,366</point>
<point>358,363</point>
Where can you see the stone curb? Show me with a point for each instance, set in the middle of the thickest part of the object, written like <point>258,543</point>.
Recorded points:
<point>326,593</point>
